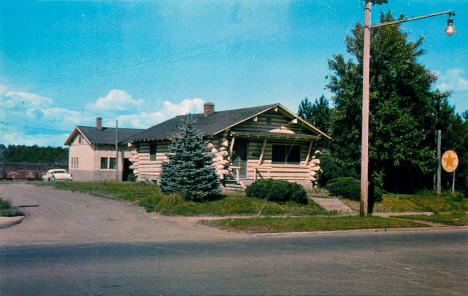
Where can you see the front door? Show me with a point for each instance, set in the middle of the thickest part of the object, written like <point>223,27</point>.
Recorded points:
<point>239,156</point>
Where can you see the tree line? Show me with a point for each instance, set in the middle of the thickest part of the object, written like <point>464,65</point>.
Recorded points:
<point>33,154</point>
<point>405,112</point>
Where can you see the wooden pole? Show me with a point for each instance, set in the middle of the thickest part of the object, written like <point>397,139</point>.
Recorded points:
<point>117,150</point>
<point>439,166</point>
<point>365,113</point>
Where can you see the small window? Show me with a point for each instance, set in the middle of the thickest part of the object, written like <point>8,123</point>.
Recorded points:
<point>112,163</point>
<point>104,163</point>
<point>286,154</point>
<point>153,152</point>
<point>268,120</point>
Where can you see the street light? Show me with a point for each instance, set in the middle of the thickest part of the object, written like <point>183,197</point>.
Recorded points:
<point>365,93</point>
<point>450,29</point>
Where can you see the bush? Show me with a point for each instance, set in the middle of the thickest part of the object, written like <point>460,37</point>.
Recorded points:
<point>350,188</point>
<point>6,210</point>
<point>131,178</point>
<point>277,190</point>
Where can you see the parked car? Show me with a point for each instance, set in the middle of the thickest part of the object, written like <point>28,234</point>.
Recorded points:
<point>57,175</point>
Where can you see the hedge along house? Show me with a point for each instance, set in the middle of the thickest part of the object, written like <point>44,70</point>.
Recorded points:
<point>247,144</point>
<point>92,154</point>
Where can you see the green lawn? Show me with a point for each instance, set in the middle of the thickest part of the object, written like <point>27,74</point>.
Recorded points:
<point>149,196</point>
<point>294,217</point>
<point>443,203</point>
<point>313,223</point>
<point>460,219</point>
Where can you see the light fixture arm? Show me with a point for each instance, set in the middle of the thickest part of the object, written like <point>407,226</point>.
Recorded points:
<point>449,12</point>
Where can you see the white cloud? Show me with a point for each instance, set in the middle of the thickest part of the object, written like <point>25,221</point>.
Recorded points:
<point>117,100</point>
<point>18,137</point>
<point>30,119</point>
<point>186,106</point>
<point>154,115</point>
<point>452,80</point>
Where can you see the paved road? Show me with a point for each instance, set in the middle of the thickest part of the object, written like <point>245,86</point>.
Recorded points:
<point>178,257</point>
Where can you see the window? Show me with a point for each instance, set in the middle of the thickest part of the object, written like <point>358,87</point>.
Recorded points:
<point>286,154</point>
<point>74,162</point>
<point>268,120</point>
<point>112,163</point>
<point>104,163</point>
<point>153,152</point>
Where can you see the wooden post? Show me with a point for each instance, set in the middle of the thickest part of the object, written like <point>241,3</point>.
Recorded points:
<point>260,160</point>
<point>232,145</point>
<point>308,152</point>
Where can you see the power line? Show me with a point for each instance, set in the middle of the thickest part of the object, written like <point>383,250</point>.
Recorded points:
<point>147,64</point>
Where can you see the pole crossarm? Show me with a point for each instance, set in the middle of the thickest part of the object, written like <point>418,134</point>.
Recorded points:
<point>412,19</point>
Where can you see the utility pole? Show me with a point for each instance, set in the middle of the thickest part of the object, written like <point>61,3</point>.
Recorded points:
<point>117,150</point>
<point>365,113</point>
<point>439,165</point>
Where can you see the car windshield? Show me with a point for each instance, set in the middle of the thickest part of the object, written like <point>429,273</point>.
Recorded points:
<point>59,172</point>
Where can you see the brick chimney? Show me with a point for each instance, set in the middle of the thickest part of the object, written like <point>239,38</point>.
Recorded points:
<point>208,108</point>
<point>99,123</point>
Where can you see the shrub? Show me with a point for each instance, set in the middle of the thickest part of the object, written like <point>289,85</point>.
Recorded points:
<point>350,188</point>
<point>6,210</point>
<point>277,190</point>
<point>132,178</point>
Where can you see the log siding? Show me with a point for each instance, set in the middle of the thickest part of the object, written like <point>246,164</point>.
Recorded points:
<point>260,133</point>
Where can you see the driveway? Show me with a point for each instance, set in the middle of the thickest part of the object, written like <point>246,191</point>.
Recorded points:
<point>58,216</point>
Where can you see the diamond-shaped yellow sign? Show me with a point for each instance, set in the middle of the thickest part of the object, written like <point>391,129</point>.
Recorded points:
<point>449,161</point>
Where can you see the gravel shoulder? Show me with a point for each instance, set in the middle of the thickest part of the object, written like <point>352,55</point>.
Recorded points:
<point>56,216</point>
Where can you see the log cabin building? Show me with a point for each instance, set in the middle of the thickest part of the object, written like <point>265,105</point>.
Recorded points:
<point>247,144</point>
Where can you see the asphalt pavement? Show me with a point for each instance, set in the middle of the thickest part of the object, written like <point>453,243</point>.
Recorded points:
<point>76,244</point>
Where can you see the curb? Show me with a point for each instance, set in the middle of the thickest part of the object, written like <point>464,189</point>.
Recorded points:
<point>6,222</point>
<point>369,230</point>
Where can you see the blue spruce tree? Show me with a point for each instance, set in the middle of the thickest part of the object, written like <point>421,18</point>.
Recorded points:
<point>189,171</point>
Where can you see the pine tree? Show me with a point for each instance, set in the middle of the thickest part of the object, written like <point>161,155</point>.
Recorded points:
<point>189,171</point>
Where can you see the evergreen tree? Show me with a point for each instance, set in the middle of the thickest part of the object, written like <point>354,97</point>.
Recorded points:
<point>189,171</point>
<point>318,114</point>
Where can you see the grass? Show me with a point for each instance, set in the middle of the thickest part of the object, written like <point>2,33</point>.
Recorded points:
<point>455,219</point>
<point>6,210</point>
<point>294,217</point>
<point>443,203</point>
<point>149,196</point>
<point>317,223</point>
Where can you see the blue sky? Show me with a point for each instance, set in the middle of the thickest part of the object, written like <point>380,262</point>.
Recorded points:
<point>64,63</point>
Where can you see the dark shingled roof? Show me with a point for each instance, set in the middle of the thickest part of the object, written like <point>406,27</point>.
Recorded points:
<point>210,125</point>
<point>104,136</point>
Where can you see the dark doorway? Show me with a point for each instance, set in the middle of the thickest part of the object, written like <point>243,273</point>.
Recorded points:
<point>126,169</point>
<point>240,155</point>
